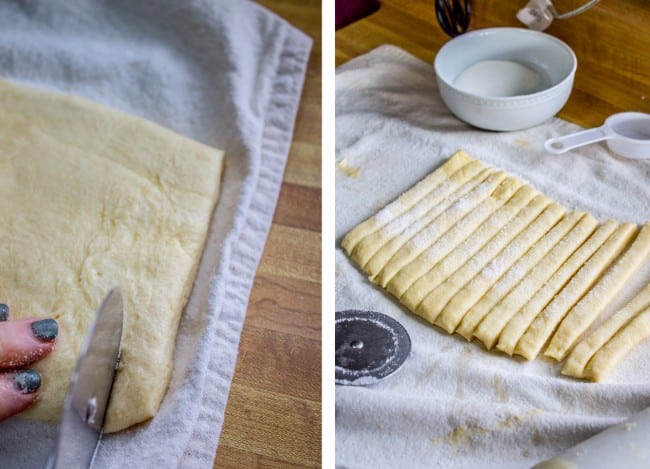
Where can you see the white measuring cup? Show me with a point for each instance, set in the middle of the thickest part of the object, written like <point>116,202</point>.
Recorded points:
<point>627,133</point>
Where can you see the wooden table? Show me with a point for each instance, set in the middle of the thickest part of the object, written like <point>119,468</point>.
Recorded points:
<point>611,41</point>
<point>273,416</point>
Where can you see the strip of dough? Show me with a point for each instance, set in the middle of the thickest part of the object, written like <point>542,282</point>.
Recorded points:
<point>395,233</point>
<point>517,326</point>
<point>437,299</point>
<point>515,274</point>
<point>491,326</point>
<point>418,278</point>
<point>406,200</point>
<point>476,286</point>
<point>409,241</point>
<point>543,326</point>
<point>463,228</point>
<point>620,345</point>
<point>596,300</point>
<point>456,215</point>
<point>580,355</point>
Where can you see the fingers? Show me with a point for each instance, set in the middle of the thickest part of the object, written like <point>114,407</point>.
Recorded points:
<point>18,391</point>
<point>23,342</point>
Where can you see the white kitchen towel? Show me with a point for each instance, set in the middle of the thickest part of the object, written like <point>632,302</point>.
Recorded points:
<point>226,73</point>
<point>453,404</point>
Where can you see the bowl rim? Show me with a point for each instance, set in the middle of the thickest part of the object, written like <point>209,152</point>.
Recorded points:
<point>534,97</point>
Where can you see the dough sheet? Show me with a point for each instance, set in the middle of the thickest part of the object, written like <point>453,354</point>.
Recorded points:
<point>94,199</point>
<point>475,251</point>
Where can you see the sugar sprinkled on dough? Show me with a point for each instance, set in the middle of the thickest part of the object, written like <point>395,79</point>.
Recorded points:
<point>435,254</point>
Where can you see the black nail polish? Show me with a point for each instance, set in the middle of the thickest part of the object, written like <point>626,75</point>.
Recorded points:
<point>45,329</point>
<point>27,381</point>
<point>4,312</point>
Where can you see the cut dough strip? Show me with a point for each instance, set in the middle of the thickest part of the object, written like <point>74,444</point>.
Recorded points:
<point>433,304</point>
<point>517,326</point>
<point>492,325</point>
<point>459,232</point>
<point>596,300</point>
<point>385,241</point>
<point>475,251</point>
<point>433,253</point>
<point>474,289</point>
<point>406,200</point>
<point>580,355</point>
<point>515,274</point>
<point>415,280</point>
<point>405,246</point>
<point>543,326</point>
<point>620,345</point>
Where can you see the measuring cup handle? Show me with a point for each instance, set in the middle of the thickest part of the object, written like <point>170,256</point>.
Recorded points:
<point>569,142</point>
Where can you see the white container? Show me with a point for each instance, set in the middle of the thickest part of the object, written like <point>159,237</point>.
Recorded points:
<point>505,78</point>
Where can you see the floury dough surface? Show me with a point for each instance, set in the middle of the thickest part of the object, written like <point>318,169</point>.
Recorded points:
<point>409,241</point>
<point>93,199</point>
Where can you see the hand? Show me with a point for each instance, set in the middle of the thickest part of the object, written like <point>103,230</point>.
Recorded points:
<point>22,343</point>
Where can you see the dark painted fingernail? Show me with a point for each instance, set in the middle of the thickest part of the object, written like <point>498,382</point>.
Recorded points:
<point>27,381</point>
<point>45,329</point>
<point>4,312</point>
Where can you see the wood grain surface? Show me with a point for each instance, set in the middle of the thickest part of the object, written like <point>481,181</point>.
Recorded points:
<point>273,416</point>
<point>611,41</point>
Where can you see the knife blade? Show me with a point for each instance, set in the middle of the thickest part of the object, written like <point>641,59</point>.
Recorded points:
<point>84,408</point>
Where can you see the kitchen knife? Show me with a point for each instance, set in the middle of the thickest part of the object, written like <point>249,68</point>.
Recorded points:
<point>85,405</point>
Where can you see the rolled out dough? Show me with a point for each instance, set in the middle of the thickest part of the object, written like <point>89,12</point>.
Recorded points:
<point>543,326</point>
<point>450,211</point>
<point>475,251</point>
<point>93,199</point>
<point>420,276</point>
<point>580,355</point>
<point>373,251</point>
<point>621,344</point>
<point>520,322</point>
<point>460,231</point>
<point>475,287</point>
<point>491,327</point>
<point>598,297</point>
<point>514,275</point>
<point>436,300</point>
<point>406,200</point>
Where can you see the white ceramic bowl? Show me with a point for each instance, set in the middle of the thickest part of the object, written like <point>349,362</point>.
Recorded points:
<point>505,78</point>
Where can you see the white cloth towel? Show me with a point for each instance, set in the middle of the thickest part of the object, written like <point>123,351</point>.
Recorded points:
<point>453,404</point>
<point>226,73</point>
